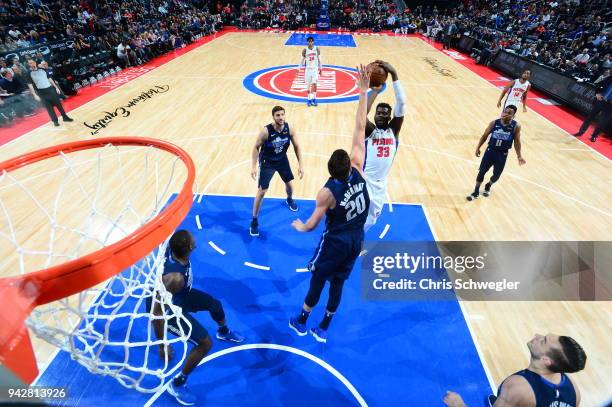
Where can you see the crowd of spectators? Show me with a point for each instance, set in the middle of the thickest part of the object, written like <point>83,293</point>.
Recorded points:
<point>101,35</point>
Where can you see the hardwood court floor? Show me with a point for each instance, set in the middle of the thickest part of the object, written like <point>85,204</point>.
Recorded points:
<point>561,194</point>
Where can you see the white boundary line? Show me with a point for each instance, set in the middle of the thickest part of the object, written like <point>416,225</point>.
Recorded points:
<point>384,232</point>
<point>466,317</point>
<point>255,266</point>
<point>301,270</point>
<point>217,248</point>
<point>274,346</point>
<point>198,224</point>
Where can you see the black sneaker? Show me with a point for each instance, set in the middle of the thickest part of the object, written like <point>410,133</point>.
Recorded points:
<point>292,205</point>
<point>56,124</point>
<point>487,190</point>
<point>578,134</point>
<point>472,196</point>
<point>254,228</point>
<point>593,139</point>
<point>68,119</point>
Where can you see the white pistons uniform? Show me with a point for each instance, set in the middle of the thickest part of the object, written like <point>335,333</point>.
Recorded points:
<point>515,94</point>
<point>311,73</point>
<point>380,149</point>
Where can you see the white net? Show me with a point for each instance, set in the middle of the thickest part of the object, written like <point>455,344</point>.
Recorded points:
<point>68,206</point>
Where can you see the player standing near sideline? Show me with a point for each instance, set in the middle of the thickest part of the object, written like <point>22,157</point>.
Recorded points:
<point>381,142</point>
<point>270,150</point>
<point>344,200</point>
<point>311,61</point>
<point>503,132</point>
<point>516,91</point>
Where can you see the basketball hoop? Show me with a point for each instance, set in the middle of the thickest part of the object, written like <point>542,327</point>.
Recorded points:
<point>126,246</point>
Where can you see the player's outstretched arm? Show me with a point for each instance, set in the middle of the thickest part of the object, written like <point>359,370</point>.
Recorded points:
<point>484,137</point>
<point>298,152</point>
<point>261,138</point>
<point>325,200</point>
<point>303,61</point>
<point>320,61</point>
<point>399,110</point>
<point>505,90</point>
<point>358,148</point>
<point>517,144</point>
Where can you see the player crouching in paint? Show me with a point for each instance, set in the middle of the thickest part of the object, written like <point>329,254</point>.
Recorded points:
<point>311,60</point>
<point>344,201</point>
<point>503,132</point>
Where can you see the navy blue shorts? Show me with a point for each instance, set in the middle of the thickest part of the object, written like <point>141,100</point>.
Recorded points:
<point>336,254</point>
<point>192,301</point>
<point>268,168</point>
<point>493,158</point>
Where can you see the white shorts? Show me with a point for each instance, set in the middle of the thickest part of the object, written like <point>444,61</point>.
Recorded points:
<point>515,102</point>
<point>311,76</point>
<point>377,201</point>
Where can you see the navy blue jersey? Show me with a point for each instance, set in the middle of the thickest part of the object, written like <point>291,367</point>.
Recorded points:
<point>502,135</point>
<point>352,204</point>
<point>548,394</point>
<point>171,265</point>
<point>276,145</point>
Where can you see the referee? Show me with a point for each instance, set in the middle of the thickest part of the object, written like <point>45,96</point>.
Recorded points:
<point>45,90</point>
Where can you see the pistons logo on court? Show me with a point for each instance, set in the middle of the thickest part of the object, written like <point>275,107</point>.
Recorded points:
<point>336,84</point>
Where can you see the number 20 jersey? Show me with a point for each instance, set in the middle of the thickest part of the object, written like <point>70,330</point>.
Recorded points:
<point>352,204</point>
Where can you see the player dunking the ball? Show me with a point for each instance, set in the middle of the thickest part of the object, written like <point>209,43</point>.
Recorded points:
<point>311,61</point>
<point>270,150</point>
<point>503,132</point>
<point>177,277</point>
<point>381,141</point>
<point>516,91</point>
<point>344,200</point>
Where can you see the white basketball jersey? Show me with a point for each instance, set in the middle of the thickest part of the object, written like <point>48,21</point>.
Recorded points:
<point>380,151</point>
<point>312,61</point>
<point>515,95</point>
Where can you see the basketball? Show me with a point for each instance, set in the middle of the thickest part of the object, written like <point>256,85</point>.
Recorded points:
<point>378,75</point>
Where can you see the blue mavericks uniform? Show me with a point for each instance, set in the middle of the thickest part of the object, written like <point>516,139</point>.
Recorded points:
<point>548,394</point>
<point>273,156</point>
<point>341,241</point>
<point>190,300</point>
<point>496,154</point>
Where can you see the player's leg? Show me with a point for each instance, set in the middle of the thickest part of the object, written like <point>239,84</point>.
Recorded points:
<point>202,344</point>
<point>377,201</point>
<point>486,163</point>
<point>284,170</point>
<point>335,294</point>
<point>197,301</point>
<point>352,248</point>
<point>308,78</point>
<point>499,163</point>
<point>314,90</point>
<point>266,171</point>
<point>604,124</point>
<point>327,259</point>
<point>598,106</point>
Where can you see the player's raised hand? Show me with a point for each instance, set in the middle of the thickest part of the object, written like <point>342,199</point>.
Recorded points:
<point>376,89</point>
<point>363,78</point>
<point>522,161</point>
<point>386,66</point>
<point>298,225</point>
<point>453,399</point>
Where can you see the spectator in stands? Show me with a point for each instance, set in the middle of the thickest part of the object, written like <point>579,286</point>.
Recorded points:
<point>18,98</point>
<point>582,58</point>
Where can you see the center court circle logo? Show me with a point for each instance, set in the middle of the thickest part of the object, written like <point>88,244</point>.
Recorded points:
<point>336,84</point>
